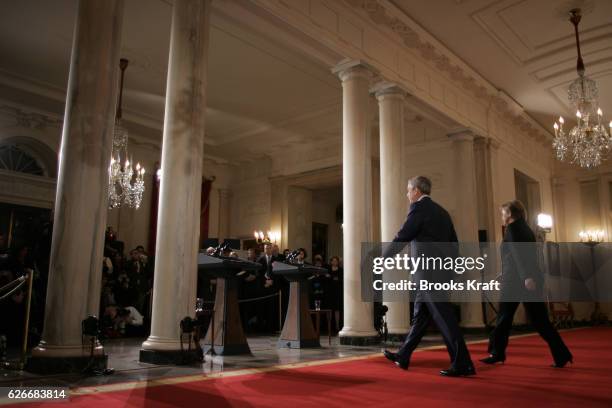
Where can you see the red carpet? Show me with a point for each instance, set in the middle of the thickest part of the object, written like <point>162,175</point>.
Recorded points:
<point>526,380</point>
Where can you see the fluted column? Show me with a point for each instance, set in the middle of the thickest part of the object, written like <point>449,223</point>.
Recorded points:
<point>81,197</point>
<point>358,320</point>
<point>392,188</point>
<point>466,207</point>
<point>174,289</point>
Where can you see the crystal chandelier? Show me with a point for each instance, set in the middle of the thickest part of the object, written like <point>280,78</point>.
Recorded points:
<point>125,182</point>
<point>588,143</point>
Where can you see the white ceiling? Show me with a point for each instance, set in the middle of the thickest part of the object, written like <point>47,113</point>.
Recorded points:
<point>265,96</point>
<point>257,85</point>
<point>525,47</point>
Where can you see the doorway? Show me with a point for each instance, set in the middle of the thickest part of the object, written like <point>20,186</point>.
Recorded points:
<point>24,226</point>
<point>527,190</point>
<point>319,240</point>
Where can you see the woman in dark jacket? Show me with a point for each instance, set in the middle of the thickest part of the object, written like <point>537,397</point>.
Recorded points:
<point>522,280</point>
<point>335,300</point>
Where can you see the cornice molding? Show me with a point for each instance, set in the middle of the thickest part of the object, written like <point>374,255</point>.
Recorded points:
<point>385,13</point>
<point>30,118</point>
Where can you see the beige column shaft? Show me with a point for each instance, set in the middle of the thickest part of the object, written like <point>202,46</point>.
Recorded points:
<point>358,319</point>
<point>175,279</point>
<point>82,185</point>
<point>466,217</point>
<point>392,188</point>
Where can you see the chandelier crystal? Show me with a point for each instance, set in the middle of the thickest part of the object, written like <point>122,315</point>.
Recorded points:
<point>589,142</point>
<point>125,182</point>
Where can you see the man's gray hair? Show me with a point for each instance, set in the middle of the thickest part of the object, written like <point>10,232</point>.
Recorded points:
<point>421,183</point>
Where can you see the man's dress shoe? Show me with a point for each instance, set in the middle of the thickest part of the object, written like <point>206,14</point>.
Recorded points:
<point>493,359</point>
<point>455,372</point>
<point>562,363</point>
<point>401,363</point>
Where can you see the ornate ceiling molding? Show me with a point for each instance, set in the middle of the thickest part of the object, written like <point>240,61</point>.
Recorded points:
<point>385,14</point>
<point>30,119</point>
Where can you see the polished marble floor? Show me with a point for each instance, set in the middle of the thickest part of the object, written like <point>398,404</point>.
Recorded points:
<point>123,358</point>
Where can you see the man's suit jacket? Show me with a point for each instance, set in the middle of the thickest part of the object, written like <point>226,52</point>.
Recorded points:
<point>428,223</point>
<point>266,269</point>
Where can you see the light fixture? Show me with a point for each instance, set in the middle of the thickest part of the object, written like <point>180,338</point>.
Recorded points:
<point>589,142</point>
<point>125,181</point>
<point>591,236</point>
<point>545,222</point>
<point>268,238</point>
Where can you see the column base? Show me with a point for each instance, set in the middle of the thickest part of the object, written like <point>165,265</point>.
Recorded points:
<point>359,340</point>
<point>54,359</point>
<point>397,337</point>
<point>174,357</point>
<point>351,337</point>
<point>60,365</point>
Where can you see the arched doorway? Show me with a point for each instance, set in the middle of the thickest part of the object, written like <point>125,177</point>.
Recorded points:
<point>27,191</point>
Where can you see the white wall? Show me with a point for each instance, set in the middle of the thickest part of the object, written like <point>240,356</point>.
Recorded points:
<point>250,202</point>
<point>570,205</point>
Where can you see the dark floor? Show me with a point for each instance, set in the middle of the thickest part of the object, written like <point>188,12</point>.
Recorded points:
<point>123,357</point>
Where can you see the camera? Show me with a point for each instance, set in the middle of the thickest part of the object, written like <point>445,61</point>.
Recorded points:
<point>380,322</point>
<point>188,325</point>
<point>90,326</point>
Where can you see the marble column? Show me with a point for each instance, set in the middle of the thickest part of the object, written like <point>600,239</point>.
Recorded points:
<point>225,196</point>
<point>82,186</point>
<point>392,188</point>
<point>174,290</point>
<point>358,315</point>
<point>493,164</point>
<point>485,164</point>
<point>465,212</point>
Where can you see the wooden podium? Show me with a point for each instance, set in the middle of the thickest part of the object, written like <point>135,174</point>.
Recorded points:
<point>298,331</point>
<point>229,337</point>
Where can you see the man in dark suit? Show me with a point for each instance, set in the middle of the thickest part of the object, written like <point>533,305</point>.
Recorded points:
<point>428,222</point>
<point>522,279</point>
<point>266,259</point>
<point>267,309</point>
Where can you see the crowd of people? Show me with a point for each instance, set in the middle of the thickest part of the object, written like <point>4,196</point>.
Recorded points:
<point>16,263</point>
<point>127,285</point>
<point>264,296</point>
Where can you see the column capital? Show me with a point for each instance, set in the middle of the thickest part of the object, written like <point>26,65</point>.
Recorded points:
<point>493,143</point>
<point>348,69</point>
<point>461,134</point>
<point>388,90</point>
<point>488,142</point>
